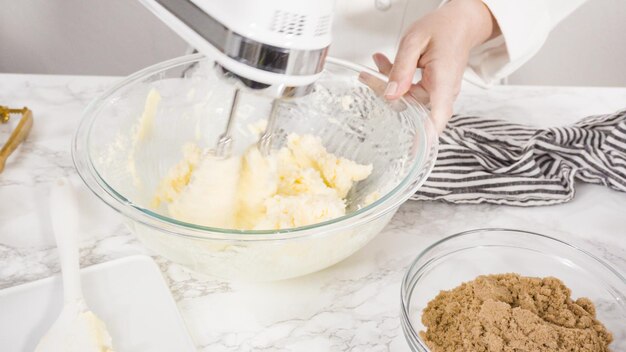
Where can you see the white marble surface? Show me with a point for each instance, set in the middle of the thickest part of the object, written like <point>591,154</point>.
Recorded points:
<point>353,306</point>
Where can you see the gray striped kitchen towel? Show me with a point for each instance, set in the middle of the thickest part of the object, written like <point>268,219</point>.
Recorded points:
<point>493,161</point>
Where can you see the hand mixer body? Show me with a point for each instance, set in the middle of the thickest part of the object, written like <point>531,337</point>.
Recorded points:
<point>272,42</point>
<point>276,47</point>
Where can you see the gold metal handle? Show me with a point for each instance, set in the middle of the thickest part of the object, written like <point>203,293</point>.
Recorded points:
<point>19,133</point>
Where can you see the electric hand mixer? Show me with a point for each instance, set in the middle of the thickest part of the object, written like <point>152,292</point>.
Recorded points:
<point>275,47</point>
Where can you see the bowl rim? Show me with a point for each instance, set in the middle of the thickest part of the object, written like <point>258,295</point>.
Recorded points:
<point>389,202</point>
<point>406,287</point>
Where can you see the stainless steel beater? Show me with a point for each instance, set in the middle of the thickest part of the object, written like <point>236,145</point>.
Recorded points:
<point>224,143</point>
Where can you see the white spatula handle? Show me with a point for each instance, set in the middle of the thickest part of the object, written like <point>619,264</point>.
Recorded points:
<point>64,214</point>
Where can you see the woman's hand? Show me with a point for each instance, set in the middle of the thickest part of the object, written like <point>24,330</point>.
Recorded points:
<point>439,43</point>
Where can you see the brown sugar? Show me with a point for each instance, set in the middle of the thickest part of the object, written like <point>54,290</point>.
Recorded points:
<point>512,313</point>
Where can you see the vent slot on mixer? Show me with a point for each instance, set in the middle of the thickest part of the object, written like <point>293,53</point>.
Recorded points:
<point>288,23</point>
<point>322,27</point>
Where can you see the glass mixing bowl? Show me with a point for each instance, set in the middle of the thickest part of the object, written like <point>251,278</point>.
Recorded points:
<point>462,257</point>
<point>122,155</point>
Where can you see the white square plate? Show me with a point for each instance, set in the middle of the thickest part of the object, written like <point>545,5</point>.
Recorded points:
<point>128,294</point>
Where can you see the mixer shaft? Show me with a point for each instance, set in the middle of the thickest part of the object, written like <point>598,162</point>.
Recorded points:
<point>265,142</point>
<point>224,144</point>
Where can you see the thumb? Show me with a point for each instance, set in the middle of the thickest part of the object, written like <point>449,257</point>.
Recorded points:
<point>442,82</point>
<point>441,102</point>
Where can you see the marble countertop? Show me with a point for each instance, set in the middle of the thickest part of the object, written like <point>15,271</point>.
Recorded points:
<point>352,306</point>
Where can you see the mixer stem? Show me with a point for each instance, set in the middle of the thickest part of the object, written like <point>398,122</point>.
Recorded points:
<point>224,144</point>
<point>265,142</point>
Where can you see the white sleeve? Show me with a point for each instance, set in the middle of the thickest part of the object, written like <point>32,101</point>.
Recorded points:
<point>525,25</point>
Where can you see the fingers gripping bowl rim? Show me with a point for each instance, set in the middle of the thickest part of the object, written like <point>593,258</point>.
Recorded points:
<point>415,172</point>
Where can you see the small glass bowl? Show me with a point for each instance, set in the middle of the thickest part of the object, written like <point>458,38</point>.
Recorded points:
<point>462,257</point>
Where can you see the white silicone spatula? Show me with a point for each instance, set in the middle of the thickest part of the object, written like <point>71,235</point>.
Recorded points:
<point>76,328</point>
